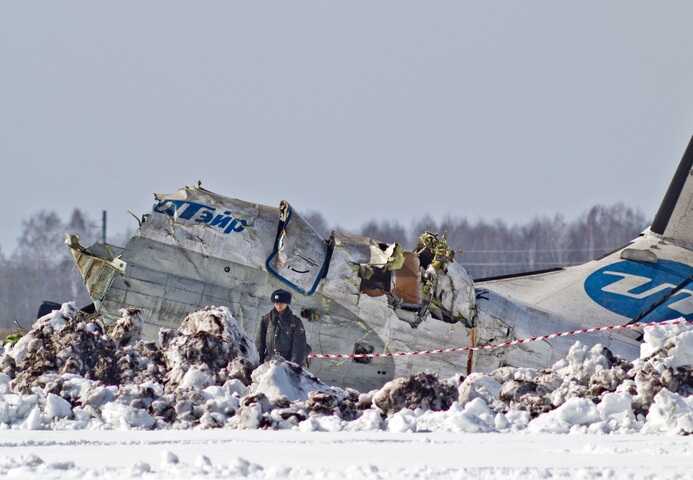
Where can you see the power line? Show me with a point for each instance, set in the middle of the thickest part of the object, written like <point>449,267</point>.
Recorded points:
<point>557,250</point>
<point>519,264</point>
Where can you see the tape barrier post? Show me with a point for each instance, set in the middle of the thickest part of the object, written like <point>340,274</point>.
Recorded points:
<point>507,344</point>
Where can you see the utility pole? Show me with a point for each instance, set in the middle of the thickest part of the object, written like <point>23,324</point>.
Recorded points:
<point>104,217</point>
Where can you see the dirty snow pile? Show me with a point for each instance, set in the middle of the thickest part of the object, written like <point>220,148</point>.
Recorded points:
<point>73,372</point>
<point>590,391</point>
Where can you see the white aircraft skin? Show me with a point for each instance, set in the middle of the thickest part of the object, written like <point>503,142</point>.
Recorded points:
<point>198,248</point>
<point>559,301</point>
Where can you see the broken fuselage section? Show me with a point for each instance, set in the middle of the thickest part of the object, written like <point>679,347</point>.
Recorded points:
<point>355,294</point>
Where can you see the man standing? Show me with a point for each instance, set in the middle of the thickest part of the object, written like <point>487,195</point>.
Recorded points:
<point>281,332</point>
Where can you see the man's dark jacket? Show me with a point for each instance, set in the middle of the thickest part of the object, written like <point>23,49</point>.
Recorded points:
<point>282,334</point>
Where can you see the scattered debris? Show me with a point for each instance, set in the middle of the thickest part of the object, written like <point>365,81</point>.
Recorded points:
<point>128,328</point>
<point>11,339</point>
<point>70,371</point>
<point>423,390</point>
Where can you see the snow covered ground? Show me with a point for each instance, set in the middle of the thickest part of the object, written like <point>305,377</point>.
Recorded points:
<point>80,399</point>
<point>345,455</point>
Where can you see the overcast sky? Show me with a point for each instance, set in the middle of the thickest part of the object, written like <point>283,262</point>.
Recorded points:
<point>358,109</point>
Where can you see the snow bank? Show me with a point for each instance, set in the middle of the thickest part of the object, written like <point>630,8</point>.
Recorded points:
<point>423,390</point>
<point>590,391</point>
<point>279,379</point>
<point>32,466</point>
<point>206,341</point>
<point>72,372</point>
<point>670,413</point>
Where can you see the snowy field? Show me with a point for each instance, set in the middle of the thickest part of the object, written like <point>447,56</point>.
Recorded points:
<point>79,399</point>
<point>344,455</point>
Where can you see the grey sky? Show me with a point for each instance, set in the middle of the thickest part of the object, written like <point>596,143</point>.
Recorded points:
<point>358,109</point>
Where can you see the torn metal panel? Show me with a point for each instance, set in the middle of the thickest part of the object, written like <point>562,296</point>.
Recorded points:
<point>98,266</point>
<point>381,254</point>
<point>454,293</point>
<point>639,255</point>
<point>433,249</point>
<point>299,257</point>
<point>200,221</point>
<point>358,247</point>
<point>406,281</point>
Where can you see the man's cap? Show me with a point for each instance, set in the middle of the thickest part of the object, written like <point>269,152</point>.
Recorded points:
<point>281,296</point>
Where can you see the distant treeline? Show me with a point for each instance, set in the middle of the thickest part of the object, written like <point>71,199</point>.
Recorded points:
<point>41,267</point>
<point>498,248</point>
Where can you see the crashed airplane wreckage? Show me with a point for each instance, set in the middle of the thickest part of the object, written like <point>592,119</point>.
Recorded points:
<point>360,295</point>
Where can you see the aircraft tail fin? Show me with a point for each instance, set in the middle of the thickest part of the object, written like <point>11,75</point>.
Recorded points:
<point>674,218</point>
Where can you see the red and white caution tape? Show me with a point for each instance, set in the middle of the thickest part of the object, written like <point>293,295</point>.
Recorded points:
<point>493,346</point>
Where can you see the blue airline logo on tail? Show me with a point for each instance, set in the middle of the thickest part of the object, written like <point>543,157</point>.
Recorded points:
<point>631,288</point>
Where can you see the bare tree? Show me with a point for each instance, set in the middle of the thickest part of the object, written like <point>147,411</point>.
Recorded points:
<point>385,231</point>
<point>121,239</point>
<point>317,220</point>
<point>41,267</point>
<point>497,248</point>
